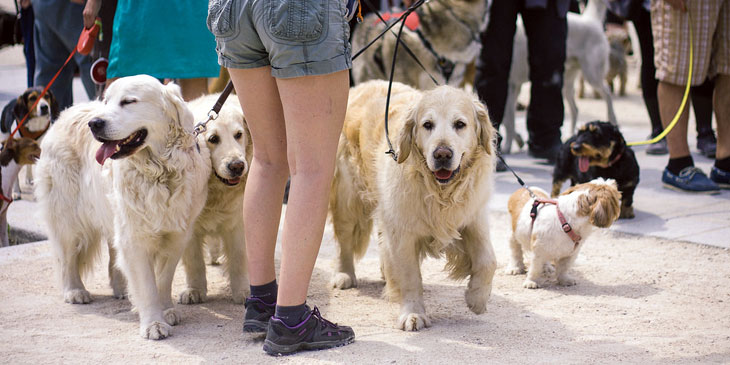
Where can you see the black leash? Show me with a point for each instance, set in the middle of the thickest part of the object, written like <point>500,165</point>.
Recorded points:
<point>213,113</point>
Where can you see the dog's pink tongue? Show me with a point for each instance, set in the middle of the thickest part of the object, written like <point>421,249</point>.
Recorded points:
<point>443,174</point>
<point>583,163</point>
<point>106,150</point>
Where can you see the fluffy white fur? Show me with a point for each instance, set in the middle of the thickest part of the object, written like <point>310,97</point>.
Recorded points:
<point>144,205</point>
<point>220,225</point>
<point>586,51</point>
<point>415,214</point>
<point>585,206</point>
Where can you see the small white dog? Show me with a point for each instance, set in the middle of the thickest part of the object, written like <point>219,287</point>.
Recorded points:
<point>554,231</point>
<point>220,225</point>
<point>126,170</point>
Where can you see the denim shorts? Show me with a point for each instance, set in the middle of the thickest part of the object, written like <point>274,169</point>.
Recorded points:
<point>295,37</point>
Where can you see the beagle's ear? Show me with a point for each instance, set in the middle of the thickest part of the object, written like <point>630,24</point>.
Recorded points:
<point>55,109</point>
<point>20,109</point>
<point>407,136</point>
<point>485,130</point>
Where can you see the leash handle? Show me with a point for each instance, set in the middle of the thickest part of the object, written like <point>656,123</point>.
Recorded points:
<point>213,112</point>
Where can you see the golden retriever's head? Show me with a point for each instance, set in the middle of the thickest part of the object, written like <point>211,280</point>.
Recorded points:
<point>24,151</point>
<point>448,127</point>
<point>140,112</point>
<point>229,143</point>
<point>599,200</point>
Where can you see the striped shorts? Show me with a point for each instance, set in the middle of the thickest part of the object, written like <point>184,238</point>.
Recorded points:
<point>710,21</point>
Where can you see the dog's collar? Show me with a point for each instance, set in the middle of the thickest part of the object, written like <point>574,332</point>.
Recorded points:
<point>563,222</point>
<point>615,159</point>
<point>25,132</point>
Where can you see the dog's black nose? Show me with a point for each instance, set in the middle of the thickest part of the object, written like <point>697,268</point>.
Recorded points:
<point>97,125</point>
<point>575,146</point>
<point>442,154</point>
<point>236,167</point>
<point>44,109</point>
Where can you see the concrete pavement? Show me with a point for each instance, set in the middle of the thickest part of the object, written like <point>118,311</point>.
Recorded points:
<point>659,212</point>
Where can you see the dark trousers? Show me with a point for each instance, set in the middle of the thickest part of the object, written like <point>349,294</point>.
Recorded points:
<point>26,24</point>
<point>546,32</point>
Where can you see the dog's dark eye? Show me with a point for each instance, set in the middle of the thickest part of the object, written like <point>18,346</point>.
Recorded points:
<point>428,125</point>
<point>238,135</point>
<point>127,102</point>
<point>214,139</point>
<point>459,124</point>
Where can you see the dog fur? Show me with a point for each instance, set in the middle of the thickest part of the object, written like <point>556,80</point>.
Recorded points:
<point>450,26</point>
<point>38,122</point>
<point>586,51</point>
<point>585,206</point>
<point>604,153</point>
<point>15,154</point>
<point>220,225</point>
<point>620,47</point>
<point>143,202</point>
<point>431,202</point>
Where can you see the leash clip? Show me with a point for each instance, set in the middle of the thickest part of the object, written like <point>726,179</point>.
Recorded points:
<point>203,126</point>
<point>567,228</point>
<point>393,154</point>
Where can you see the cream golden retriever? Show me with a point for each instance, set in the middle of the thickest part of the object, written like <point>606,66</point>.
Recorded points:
<point>128,171</point>
<point>431,202</point>
<point>220,225</point>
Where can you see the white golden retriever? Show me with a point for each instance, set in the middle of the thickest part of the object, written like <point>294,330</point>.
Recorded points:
<point>432,201</point>
<point>221,221</point>
<point>143,201</point>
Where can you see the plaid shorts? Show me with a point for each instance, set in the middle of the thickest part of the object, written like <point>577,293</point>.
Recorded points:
<point>710,40</point>
<point>296,38</point>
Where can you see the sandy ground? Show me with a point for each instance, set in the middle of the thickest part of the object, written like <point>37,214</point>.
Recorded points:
<point>638,300</point>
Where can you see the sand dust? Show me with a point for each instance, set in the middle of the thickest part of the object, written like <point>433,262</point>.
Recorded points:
<point>638,300</point>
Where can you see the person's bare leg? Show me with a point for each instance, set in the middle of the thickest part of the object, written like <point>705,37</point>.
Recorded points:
<point>193,88</point>
<point>670,97</point>
<point>269,170</point>
<point>314,111</point>
<point>721,104</point>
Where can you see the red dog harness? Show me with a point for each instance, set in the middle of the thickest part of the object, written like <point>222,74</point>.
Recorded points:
<point>563,222</point>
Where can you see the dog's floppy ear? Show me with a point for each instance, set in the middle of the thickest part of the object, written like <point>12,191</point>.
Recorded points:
<point>8,152</point>
<point>407,136</point>
<point>179,112</point>
<point>606,205</point>
<point>20,109</point>
<point>55,109</point>
<point>485,130</point>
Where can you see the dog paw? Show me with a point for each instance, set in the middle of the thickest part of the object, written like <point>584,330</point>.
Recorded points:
<point>171,317</point>
<point>155,331</point>
<point>566,280</point>
<point>77,296</point>
<point>476,300</point>
<point>344,281</point>
<point>514,270</point>
<point>16,195</point>
<point>530,284</point>
<point>626,213</point>
<point>192,296</point>
<point>413,321</point>
<point>239,297</point>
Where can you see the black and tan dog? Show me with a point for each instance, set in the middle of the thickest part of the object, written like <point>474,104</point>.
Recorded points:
<point>39,119</point>
<point>598,150</point>
<point>36,124</point>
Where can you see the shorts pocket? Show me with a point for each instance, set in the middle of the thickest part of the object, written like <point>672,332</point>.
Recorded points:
<point>222,18</point>
<point>297,20</point>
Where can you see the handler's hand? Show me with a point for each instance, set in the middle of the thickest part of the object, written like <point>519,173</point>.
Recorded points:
<point>91,10</point>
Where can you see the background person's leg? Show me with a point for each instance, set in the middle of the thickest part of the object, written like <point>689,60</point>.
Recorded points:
<point>314,111</point>
<point>670,97</point>
<point>702,104</point>
<point>722,113</point>
<point>269,169</point>
<point>546,35</point>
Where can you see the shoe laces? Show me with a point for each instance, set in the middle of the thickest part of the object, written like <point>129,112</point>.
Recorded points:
<point>690,172</point>
<point>323,322</point>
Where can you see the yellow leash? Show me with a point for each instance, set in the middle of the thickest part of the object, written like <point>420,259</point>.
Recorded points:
<point>684,99</point>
